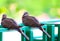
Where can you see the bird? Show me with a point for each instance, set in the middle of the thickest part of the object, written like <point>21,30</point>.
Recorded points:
<point>32,22</point>
<point>12,25</point>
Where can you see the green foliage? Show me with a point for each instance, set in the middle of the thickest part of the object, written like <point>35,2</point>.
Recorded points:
<point>35,7</point>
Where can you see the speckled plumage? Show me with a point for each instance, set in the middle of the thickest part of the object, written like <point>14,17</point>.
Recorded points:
<point>32,22</point>
<point>11,24</point>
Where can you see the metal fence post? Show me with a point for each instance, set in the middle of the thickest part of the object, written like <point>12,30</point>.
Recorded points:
<point>50,30</point>
<point>28,32</point>
<point>58,32</point>
<point>44,35</point>
<point>0,34</point>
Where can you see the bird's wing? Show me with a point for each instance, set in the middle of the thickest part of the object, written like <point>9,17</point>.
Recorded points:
<point>30,20</point>
<point>7,22</point>
<point>34,19</point>
<point>13,21</point>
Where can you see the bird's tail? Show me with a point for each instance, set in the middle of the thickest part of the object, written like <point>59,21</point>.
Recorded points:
<point>44,32</point>
<point>19,30</point>
<point>41,24</point>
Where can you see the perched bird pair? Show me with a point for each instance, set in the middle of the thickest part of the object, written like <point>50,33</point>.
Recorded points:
<point>11,24</point>
<point>26,19</point>
<point>33,22</point>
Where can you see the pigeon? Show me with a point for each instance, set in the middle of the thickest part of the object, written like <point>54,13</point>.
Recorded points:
<point>11,25</point>
<point>32,22</point>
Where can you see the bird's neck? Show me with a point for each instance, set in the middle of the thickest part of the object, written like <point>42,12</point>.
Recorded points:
<point>3,18</point>
<point>24,16</point>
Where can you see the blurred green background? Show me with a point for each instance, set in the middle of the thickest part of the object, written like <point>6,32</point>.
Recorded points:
<point>38,8</point>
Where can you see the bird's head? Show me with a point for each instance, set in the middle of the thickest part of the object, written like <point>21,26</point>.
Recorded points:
<point>4,16</point>
<point>25,14</point>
